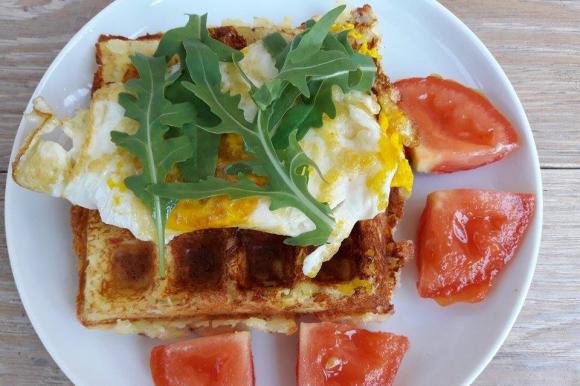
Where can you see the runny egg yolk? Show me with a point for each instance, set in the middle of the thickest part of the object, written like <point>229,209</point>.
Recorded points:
<point>214,212</point>
<point>393,123</point>
<point>392,154</point>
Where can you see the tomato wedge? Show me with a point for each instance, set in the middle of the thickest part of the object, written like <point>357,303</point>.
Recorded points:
<point>210,361</point>
<point>458,127</point>
<point>466,237</point>
<point>333,354</point>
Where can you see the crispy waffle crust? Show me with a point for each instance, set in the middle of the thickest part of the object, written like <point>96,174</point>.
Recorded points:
<point>229,277</point>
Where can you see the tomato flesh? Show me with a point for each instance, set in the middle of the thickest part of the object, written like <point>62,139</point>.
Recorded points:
<point>458,127</point>
<point>466,238</point>
<point>210,361</point>
<point>333,354</point>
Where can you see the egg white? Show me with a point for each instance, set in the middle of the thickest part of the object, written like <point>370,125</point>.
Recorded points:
<point>345,149</point>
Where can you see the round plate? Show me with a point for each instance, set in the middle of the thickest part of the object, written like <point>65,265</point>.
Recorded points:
<point>449,346</point>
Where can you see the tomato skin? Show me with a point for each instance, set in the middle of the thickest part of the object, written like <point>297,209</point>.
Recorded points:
<point>458,127</point>
<point>466,238</point>
<point>333,354</point>
<point>209,361</point>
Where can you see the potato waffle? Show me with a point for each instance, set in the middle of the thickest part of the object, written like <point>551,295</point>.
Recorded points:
<point>229,277</point>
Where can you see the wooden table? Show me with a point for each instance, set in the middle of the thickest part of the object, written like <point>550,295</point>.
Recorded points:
<point>538,44</point>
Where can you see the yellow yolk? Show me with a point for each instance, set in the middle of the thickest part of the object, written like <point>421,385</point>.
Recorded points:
<point>389,152</point>
<point>392,154</point>
<point>116,184</point>
<point>358,37</point>
<point>393,123</point>
<point>214,212</point>
<point>120,186</point>
<point>349,288</point>
<point>351,161</point>
<point>391,120</point>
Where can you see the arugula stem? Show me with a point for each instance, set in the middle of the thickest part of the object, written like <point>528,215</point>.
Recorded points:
<point>270,152</point>
<point>157,215</point>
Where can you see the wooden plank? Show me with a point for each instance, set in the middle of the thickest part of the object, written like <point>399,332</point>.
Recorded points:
<point>543,348</point>
<point>32,33</point>
<point>538,45</point>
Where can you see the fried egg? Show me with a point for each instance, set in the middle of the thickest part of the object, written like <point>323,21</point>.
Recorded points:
<point>360,157</point>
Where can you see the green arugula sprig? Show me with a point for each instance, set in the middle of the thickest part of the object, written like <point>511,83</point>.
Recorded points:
<point>287,178</point>
<point>358,74</point>
<point>191,112</point>
<point>290,104</point>
<point>146,104</point>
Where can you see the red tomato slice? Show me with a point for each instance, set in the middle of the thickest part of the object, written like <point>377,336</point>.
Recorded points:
<point>341,354</point>
<point>458,127</point>
<point>210,361</point>
<point>466,238</point>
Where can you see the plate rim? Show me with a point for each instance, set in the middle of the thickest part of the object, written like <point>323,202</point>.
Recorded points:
<point>539,213</point>
<point>449,16</point>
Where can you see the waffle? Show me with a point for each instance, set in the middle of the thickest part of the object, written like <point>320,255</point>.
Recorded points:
<point>231,276</point>
<point>228,277</point>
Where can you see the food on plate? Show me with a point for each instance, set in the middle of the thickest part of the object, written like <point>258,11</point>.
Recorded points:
<point>232,175</point>
<point>342,354</point>
<point>235,177</point>
<point>210,361</point>
<point>227,277</point>
<point>458,127</point>
<point>465,240</point>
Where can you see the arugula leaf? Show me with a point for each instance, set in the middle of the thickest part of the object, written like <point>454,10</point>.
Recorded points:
<point>178,114</point>
<point>189,109</point>
<point>303,58</point>
<point>322,65</point>
<point>203,162</point>
<point>312,40</point>
<point>243,188</point>
<point>196,29</point>
<point>308,111</point>
<point>296,164</point>
<point>286,172</point>
<point>307,115</point>
<point>210,187</point>
<point>203,67</point>
<point>315,55</point>
<point>146,104</point>
<point>281,57</point>
<point>338,41</point>
<point>368,71</point>
<point>275,44</point>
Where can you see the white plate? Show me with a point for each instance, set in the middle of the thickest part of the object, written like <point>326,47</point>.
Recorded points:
<point>449,346</point>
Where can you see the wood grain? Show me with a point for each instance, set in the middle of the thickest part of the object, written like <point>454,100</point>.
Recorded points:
<point>538,44</point>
